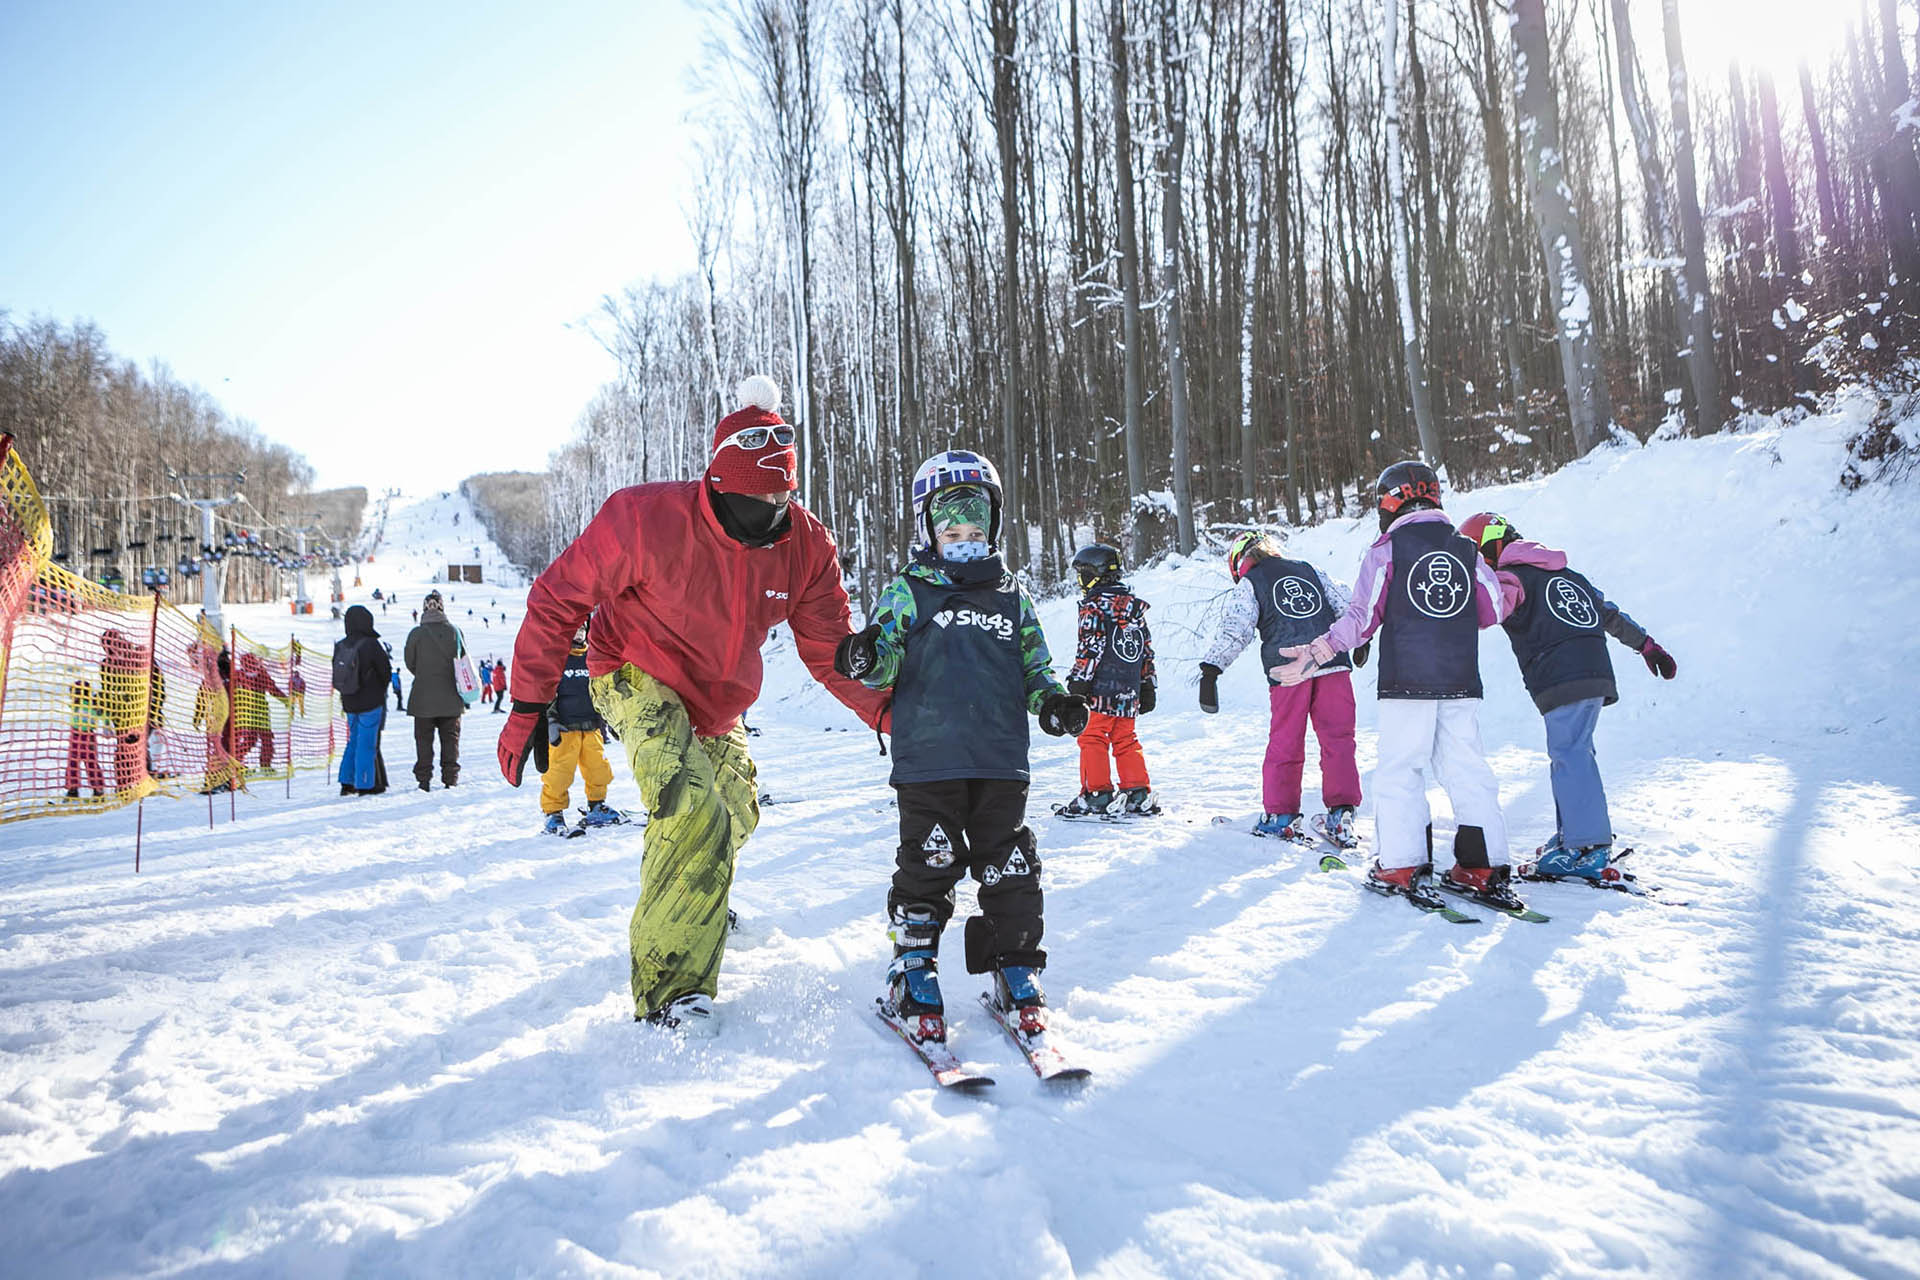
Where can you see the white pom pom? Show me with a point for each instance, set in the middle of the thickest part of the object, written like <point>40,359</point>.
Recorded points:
<point>759,391</point>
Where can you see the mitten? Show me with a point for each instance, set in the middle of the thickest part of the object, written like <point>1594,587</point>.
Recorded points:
<point>1209,688</point>
<point>1362,652</point>
<point>524,735</point>
<point>1063,713</point>
<point>1146,698</point>
<point>858,653</point>
<point>1659,661</point>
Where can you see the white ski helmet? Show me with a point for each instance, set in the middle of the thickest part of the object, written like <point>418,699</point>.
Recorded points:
<point>946,471</point>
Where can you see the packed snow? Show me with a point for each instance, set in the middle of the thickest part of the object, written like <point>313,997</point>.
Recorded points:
<point>392,1036</point>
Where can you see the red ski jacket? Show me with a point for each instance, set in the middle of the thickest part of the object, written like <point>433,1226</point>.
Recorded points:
<point>671,593</point>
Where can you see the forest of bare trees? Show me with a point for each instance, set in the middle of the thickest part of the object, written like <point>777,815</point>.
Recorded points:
<point>1175,263</point>
<point>110,447</point>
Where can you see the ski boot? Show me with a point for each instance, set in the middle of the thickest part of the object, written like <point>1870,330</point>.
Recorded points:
<point>1140,802</point>
<point>1088,804</point>
<point>1491,885</point>
<point>687,1015</point>
<point>1554,861</point>
<point>599,814</point>
<point>1282,826</point>
<point>913,982</point>
<point>556,824</point>
<point>1337,826</point>
<point>1401,880</point>
<point>1016,991</point>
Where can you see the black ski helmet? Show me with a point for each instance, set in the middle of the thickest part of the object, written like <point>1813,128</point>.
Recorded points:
<point>1096,565</point>
<point>1403,487</point>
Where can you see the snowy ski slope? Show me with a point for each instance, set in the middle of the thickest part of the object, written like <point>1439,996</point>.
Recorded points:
<point>392,1036</point>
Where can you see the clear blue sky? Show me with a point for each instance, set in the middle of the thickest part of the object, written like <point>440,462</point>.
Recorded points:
<point>366,227</point>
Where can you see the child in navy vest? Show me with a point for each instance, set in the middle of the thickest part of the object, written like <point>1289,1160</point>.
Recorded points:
<point>1558,623</point>
<point>1424,588</point>
<point>956,639</point>
<point>1290,602</point>
<point>1113,670</point>
<point>575,738</point>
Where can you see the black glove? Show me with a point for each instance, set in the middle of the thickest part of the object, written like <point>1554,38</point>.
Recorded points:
<point>1063,713</point>
<point>1361,652</point>
<point>858,653</point>
<point>1209,688</point>
<point>1080,688</point>
<point>1146,698</point>
<point>524,735</point>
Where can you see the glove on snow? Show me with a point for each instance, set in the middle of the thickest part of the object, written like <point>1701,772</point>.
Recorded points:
<point>1361,652</point>
<point>1659,661</point>
<point>1146,698</point>
<point>1063,713</point>
<point>524,734</point>
<point>858,653</point>
<point>1209,688</point>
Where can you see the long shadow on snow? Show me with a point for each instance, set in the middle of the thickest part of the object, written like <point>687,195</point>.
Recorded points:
<point>56,1232</point>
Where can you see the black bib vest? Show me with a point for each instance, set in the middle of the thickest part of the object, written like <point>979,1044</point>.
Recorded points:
<point>1123,659</point>
<point>572,704</point>
<point>1430,633</point>
<point>1559,636</point>
<point>1293,611</point>
<point>960,703</point>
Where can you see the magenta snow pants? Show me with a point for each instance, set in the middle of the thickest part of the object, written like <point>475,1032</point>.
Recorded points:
<point>1328,701</point>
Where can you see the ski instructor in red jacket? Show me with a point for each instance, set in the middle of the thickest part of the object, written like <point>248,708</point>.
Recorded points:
<point>683,581</point>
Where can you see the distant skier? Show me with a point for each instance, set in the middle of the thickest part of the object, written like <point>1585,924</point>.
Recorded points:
<point>1113,670</point>
<point>956,639</point>
<point>399,703</point>
<point>1424,588</point>
<point>486,678</point>
<point>684,581</point>
<point>575,733</point>
<point>499,683</point>
<point>1558,622</point>
<point>436,707</point>
<point>85,719</point>
<point>1289,602</point>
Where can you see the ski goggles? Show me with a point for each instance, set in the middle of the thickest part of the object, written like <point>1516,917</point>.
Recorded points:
<point>757,437</point>
<point>961,504</point>
<point>1494,530</point>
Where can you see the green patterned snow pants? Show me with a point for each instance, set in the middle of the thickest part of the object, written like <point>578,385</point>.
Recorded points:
<point>702,804</point>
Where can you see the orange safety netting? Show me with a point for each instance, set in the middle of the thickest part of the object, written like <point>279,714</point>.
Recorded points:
<point>108,698</point>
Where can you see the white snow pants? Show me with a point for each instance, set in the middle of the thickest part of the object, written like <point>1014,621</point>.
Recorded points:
<point>1441,736</point>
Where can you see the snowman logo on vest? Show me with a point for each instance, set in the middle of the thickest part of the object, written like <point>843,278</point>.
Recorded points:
<point>1128,646</point>
<point>1296,597</point>
<point>1571,605</point>
<point>1438,585</point>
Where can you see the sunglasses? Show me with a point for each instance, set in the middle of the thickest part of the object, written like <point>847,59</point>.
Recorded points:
<point>757,437</point>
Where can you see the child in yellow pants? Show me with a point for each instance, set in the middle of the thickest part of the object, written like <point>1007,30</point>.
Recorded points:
<point>574,735</point>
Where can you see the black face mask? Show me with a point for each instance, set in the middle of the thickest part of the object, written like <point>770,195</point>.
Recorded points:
<point>747,519</point>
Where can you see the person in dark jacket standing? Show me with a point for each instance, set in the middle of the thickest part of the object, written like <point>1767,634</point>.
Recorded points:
<point>435,705</point>
<point>683,581</point>
<point>1558,623</point>
<point>359,659</point>
<point>956,640</point>
<point>1113,670</point>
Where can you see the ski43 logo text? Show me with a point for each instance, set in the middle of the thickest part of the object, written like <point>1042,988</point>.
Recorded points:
<point>997,623</point>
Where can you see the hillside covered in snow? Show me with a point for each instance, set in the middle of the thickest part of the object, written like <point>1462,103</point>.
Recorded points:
<point>391,1035</point>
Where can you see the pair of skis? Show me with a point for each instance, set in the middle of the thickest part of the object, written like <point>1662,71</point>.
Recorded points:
<point>1042,1053</point>
<point>627,818</point>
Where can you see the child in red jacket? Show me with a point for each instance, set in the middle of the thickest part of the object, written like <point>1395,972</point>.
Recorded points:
<point>1113,670</point>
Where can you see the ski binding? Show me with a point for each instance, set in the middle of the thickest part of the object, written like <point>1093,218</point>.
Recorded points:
<point>948,1071</point>
<point>1041,1053</point>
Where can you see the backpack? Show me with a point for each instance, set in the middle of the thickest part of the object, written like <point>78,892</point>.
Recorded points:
<point>346,666</point>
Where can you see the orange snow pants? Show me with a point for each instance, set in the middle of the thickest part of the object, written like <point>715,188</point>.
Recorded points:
<point>1102,732</point>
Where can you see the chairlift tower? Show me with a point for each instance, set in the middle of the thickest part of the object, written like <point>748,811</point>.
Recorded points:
<point>213,578</point>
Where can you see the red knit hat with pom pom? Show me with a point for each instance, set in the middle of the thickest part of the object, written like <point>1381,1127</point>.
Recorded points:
<point>766,466</point>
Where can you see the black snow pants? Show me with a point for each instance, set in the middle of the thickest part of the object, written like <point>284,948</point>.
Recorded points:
<point>977,825</point>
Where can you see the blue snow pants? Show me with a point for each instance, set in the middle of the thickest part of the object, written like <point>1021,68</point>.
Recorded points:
<point>363,745</point>
<point>1579,800</point>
